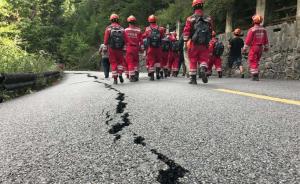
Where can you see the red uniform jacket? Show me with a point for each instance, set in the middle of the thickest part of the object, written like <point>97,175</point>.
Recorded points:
<point>133,36</point>
<point>257,36</point>
<point>187,31</point>
<point>107,32</point>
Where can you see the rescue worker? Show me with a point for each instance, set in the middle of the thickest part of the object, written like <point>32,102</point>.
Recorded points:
<point>165,48</point>
<point>114,40</point>
<point>154,35</point>
<point>174,54</point>
<point>257,41</point>
<point>215,51</point>
<point>235,46</point>
<point>198,29</point>
<point>133,42</point>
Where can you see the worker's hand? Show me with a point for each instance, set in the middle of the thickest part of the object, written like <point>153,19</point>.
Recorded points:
<point>244,50</point>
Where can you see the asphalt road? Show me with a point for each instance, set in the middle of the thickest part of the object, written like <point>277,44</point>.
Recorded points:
<point>85,130</point>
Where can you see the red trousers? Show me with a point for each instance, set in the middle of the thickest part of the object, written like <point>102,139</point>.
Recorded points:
<point>116,60</point>
<point>153,58</point>
<point>132,59</point>
<point>164,60</point>
<point>198,54</point>
<point>254,56</point>
<point>174,61</point>
<point>214,61</point>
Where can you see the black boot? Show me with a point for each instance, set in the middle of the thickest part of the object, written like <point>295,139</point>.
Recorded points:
<point>255,77</point>
<point>202,74</point>
<point>193,79</point>
<point>220,74</point>
<point>152,76</point>
<point>132,78</point>
<point>161,74</point>
<point>243,76</point>
<point>176,74</point>
<point>121,79</point>
<point>166,73</point>
<point>169,73</point>
<point>157,73</point>
<point>137,76</point>
<point>115,80</point>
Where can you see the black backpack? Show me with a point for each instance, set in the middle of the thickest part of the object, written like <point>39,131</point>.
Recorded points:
<point>166,44</point>
<point>175,46</point>
<point>116,39</point>
<point>218,49</point>
<point>154,38</point>
<point>201,34</point>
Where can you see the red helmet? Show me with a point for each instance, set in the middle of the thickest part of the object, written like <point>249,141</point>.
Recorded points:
<point>114,16</point>
<point>257,19</point>
<point>152,19</point>
<point>131,18</point>
<point>214,34</point>
<point>237,32</point>
<point>196,2</point>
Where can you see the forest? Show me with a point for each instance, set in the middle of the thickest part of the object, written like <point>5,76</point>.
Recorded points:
<point>37,34</point>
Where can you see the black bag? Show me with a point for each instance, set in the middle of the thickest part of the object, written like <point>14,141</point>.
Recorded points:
<point>175,46</point>
<point>116,39</point>
<point>201,34</point>
<point>154,38</point>
<point>165,44</point>
<point>218,49</point>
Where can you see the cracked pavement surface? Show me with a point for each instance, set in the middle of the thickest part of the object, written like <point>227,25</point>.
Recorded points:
<point>82,131</point>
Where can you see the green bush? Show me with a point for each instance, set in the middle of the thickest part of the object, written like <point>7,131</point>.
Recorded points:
<point>15,60</point>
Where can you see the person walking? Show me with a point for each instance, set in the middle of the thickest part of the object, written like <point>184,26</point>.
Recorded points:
<point>216,49</point>
<point>174,54</point>
<point>154,35</point>
<point>103,51</point>
<point>257,42</point>
<point>114,40</point>
<point>165,48</point>
<point>181,56</point>
<point>133,42</point>
<point>235,52</point>
<point>197,32</point>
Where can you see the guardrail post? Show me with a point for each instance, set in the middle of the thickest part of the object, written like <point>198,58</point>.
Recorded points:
<point>298,19</point>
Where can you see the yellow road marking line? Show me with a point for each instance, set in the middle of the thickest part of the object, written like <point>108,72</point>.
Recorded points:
<point>281,100</point>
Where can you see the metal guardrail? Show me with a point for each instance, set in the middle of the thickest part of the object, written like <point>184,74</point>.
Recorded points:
<point>11,82</point>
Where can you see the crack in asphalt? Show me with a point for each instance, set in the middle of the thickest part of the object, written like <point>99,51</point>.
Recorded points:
<point>121,105</point>
<point>140,140</point>
<point>173,173</point>
<point>169,176</point>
